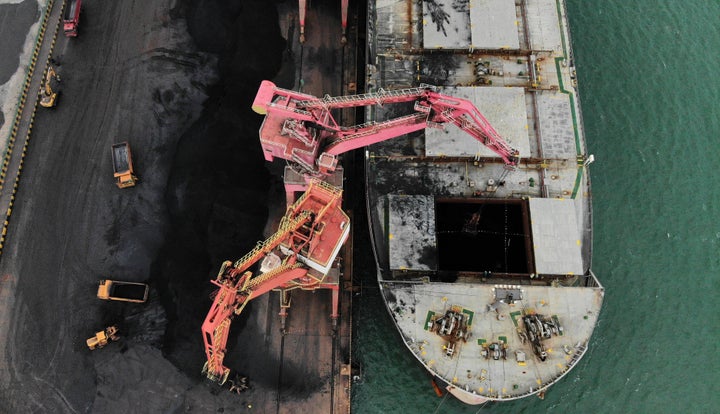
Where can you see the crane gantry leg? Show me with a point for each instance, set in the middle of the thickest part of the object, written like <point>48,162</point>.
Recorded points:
<point>284,306</point>
<point>335,302</point>
<point>302,8</point>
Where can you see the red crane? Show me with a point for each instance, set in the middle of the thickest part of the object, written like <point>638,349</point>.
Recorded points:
<point>301,128</point>
<point>299,255</point>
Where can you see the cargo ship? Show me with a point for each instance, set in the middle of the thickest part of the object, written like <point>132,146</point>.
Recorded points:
<point>484,264</point>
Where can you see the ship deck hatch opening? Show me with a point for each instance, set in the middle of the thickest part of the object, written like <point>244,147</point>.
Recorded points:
<point>483,236</point>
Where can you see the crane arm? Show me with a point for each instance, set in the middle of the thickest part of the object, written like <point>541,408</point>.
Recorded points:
<point>308,239</point>
<point>230,302</point>
<point>237,287</point>
<point>301,128</point>
<point>374,133</point>
<point>466,116</point>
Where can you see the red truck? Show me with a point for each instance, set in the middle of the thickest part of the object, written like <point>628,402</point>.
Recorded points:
<point>71,18</point>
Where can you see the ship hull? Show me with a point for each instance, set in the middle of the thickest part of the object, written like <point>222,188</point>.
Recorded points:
<point>502,255</point>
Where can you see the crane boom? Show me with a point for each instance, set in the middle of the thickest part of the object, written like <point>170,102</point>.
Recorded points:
<point>299,254</point>
<point>301,128</point>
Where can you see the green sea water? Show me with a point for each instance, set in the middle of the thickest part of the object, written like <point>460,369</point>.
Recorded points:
<point>649,77</point>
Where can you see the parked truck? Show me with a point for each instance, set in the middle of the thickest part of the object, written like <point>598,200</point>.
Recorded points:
<point>71,18</point>
<point>123,291</point>
<point>122,165</point>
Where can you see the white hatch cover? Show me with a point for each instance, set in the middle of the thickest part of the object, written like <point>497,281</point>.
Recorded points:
<point>556,237</point>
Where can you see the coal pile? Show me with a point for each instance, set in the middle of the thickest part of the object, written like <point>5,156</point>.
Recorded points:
<point>217,194</point>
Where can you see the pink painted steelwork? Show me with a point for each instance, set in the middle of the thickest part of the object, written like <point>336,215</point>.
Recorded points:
<point>301,128</point>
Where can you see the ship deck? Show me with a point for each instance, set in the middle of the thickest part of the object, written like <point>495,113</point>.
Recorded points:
<point>415,305</point>
<point>450,222</point>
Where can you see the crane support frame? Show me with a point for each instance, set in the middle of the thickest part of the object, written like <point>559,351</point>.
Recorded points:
<point>308,238</point>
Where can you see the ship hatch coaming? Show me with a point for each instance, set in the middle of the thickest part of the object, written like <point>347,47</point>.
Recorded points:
<point>483,236</point>
<point>481,239</point>
<point>445,238</point>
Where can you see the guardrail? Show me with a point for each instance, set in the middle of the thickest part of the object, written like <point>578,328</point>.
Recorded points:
<point>19,112</point>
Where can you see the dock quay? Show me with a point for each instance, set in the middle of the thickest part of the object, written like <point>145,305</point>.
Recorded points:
<point>164,77</point>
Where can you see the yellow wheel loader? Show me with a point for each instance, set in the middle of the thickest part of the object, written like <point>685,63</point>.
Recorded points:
<point>49,89</point>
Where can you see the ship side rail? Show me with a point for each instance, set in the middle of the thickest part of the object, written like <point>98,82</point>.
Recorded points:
<point>577,355</point>
<point>560,280</point>
<point>580,350</point>
<point>592,281</point>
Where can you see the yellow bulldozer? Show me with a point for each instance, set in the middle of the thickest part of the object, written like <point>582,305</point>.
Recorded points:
<point>102,338</point>
<point>49,88</point>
